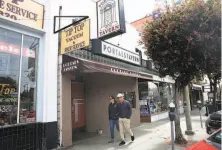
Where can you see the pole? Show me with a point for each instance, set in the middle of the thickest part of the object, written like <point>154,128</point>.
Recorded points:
<point>59,129</point>
<point>172,4</point>
<point>201,122</point>
<point>20,77</point>
<point>172,134</point>
<point>187,111</point>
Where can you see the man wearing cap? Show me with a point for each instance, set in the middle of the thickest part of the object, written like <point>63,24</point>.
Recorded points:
<point>125,112</point>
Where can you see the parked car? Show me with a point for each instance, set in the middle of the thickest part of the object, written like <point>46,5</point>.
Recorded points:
<point>211,143</point>
<point>213,122</point>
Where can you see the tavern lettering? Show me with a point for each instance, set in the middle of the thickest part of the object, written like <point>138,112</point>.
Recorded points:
<point>114,51</point>
<point>109,30</point>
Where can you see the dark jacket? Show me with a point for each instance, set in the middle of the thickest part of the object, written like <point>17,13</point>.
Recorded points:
<point>113,111</point>
<point>125,110</point>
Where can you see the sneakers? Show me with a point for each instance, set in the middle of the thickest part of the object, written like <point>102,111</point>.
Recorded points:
<point>111,141</point>
<point>122,143</point>
<point>132,138</point>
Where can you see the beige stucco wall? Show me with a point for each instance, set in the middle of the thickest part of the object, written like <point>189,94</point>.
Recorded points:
<point>66,120</point>
<point>99,87</point>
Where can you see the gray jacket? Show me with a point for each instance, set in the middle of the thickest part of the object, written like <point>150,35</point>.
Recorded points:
<point>125,110</point>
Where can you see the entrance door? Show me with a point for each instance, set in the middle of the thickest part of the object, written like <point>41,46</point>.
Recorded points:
<point>78,105</point>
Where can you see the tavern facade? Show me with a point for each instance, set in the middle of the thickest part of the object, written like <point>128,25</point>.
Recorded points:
<point>112,63</point>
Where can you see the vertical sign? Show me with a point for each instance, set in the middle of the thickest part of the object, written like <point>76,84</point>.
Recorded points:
<point>110,18</point>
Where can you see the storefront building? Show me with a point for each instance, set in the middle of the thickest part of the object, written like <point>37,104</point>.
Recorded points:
<point>27,97</point>
<point>112,63</point>
<point>90,76</point>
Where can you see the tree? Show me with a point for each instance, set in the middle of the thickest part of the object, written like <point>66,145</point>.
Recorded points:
<point>209,37</point>
<point>174,42</point>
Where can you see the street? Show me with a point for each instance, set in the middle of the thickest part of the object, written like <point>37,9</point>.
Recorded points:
<point>149,136</point>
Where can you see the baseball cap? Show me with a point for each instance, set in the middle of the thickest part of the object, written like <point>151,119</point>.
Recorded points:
<point>119,95</point>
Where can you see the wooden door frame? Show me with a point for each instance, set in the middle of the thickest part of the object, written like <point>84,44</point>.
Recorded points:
<point>82,83</point>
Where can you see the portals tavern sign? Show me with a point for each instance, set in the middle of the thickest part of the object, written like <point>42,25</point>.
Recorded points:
<point>110,18</point>
<point>24,11</point>
<point>110,50</point>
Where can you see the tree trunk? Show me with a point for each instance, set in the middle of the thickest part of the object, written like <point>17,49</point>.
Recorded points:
<point>211,86</point>
<point>187,110</point>
<point>179,138</point>
<point>219,92</point>
<point>215,95</point>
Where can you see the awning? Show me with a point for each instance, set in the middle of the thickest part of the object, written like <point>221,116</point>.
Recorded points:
<point>78,65</point>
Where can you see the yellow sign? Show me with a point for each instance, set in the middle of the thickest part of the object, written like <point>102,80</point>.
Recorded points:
<point>75,37</point>
<point>24,11</point>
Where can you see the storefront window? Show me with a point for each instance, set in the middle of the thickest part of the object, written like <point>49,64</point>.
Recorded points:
<point>154,97</point>
<point>166,96</point>
<point>10,43</point>
<point>28,80</point>
<point>131,97</point>
<point>143,99</point>
<point>17,74</point>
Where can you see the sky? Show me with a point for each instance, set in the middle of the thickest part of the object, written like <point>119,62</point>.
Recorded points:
<point>136,9</point>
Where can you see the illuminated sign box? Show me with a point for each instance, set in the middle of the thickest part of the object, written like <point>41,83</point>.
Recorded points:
<point>110,18</point>
<point>110,50</point>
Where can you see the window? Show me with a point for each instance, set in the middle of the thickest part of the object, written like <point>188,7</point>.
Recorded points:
<point>215,139</point>
<point>166,95</point>
<point>154,97</point>
<point>28,80</point>
<point>17,77</point>
<point>131,97</point>
<point>143,99</point>
<point>108,15</point>
<point>10,43</point>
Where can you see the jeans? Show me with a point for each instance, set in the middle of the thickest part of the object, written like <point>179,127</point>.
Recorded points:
<point>112,124</point>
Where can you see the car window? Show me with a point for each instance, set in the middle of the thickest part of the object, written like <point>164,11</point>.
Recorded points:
<point>216,137</point>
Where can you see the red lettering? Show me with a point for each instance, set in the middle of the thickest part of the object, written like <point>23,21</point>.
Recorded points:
<point>109,30</point>
<point>14,49</point>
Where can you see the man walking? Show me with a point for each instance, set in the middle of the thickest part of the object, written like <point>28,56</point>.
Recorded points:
<point>113,117</point>
<point>125,112</point>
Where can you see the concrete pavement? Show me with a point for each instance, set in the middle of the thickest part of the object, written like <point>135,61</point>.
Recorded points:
<point>148,136</point>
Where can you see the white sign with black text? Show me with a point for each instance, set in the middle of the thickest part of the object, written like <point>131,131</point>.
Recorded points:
<point>110,17</point>
<point>119,53</point>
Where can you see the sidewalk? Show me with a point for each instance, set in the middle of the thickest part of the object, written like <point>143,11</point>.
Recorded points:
<point>148,136</point>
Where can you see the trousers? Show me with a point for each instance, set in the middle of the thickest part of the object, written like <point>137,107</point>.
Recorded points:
<point>112,124</point>
<point>124,127</point>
